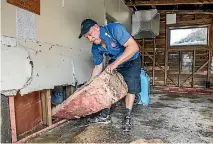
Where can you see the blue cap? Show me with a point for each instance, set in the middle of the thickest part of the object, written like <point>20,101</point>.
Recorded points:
<point>86,25</point>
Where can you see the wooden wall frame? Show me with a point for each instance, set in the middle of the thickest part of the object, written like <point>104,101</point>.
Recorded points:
<point>30,5</point>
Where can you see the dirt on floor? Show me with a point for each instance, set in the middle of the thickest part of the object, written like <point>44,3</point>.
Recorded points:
<point>173,118</point>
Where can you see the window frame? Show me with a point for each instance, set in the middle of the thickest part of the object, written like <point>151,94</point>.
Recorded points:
<point>187,27</point>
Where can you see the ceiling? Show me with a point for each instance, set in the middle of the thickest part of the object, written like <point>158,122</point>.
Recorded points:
<point>171,4</point>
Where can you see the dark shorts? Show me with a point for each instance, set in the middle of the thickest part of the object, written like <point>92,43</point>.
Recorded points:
<point>131,70</point>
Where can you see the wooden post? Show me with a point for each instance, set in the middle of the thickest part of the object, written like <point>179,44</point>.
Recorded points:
<point>69,90</point>
<point>180,67</point>
<point>46,107</point>
<point>12,119</point>
<point>163,70</point>
<point>210,50</point>
<point>193,68</point>
<point>43,103</point>
<point>153,66</point>
<point>166,2</point>
<point>166,58</point>
<point>195,72</point>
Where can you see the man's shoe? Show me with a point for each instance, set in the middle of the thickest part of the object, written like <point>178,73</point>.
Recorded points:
<point>127,125</point>
<point>100,119</point>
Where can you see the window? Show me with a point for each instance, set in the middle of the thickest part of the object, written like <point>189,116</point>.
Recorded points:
<point>189,36</point>
<point>187,59</point>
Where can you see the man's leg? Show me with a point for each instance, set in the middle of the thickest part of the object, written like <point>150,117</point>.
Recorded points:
<point>129,101</point>
<point>131,74</point>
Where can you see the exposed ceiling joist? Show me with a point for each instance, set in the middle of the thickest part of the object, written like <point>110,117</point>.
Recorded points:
<point>187,11</point>
<point>167,2</point>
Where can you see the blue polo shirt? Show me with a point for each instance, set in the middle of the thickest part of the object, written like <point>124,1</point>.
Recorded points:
<point>115,36</point>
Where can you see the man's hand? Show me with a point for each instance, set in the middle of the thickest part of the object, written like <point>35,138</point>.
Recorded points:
<point>110,68</point>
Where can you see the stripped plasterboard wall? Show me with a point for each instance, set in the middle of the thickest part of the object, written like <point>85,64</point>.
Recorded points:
<point>56,56</point>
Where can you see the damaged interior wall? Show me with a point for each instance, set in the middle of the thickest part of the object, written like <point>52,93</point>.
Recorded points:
<point>179,58</point>
<point>48,52</point>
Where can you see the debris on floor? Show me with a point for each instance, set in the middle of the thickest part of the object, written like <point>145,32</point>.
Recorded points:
<point>170,118</point>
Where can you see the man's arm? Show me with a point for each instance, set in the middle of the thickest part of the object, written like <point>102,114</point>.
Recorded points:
<point>131,47</point>
<point>96,71</point>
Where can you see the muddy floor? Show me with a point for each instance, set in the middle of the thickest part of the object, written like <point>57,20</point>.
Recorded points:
<point>173,118</point>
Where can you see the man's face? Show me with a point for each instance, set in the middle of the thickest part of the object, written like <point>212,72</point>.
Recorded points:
<point>93,35</point>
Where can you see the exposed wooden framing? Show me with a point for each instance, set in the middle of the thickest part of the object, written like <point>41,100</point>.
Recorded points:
<point>185,12</point>
<point>193,68</point>
<point>181,48</point>
<point>153,68</point>
<point>163,70</point>
<point>43,103</point>
<point>195,72</point>
<point>160,68</point>
<point>69,90</point>
<point>46,107</point>
<point>198,73</point>
<point>180,67</point>
<point>193,22</point>
<point>210,50</point>
<point>29,137</point>
<point>176,26</point>
<point>166,2</point>
<point>166,56</point>
<point>12,119</point>
<point>189,48</point>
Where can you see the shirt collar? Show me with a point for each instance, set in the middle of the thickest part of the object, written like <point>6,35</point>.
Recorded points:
<point>103,33</point>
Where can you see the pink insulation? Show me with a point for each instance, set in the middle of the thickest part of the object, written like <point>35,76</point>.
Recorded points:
<point>101,93</point>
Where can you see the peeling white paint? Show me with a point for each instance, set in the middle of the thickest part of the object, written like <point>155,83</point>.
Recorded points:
<point>52,65</point>
<point>13,67</point>
<point>58,56</point>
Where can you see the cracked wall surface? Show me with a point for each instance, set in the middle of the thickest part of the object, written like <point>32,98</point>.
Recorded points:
<point>55,56</point>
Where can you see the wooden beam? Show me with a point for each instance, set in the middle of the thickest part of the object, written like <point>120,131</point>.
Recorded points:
<point>166,55</point>
<point>12,119</point>
<point>193,68</point>
<point>46,107</point>
<point>157,65</point>
<point>166,2</point>
<point>186,11</point>
<point>194,22</point>
<point>195,72</point>
<point>204,73</point>
<point>161,68</point>
<point>188,48</point>
<point>210,50</point>
<point>49,110</point>
<point>180,67</point>
<point>153,68</point>
<point>43,103</point>
<point>181,48</point>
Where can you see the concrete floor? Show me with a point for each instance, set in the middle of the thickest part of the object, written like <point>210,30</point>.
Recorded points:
<point>174,118</point>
